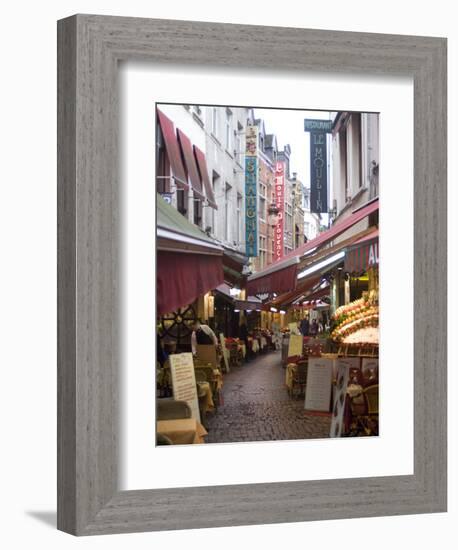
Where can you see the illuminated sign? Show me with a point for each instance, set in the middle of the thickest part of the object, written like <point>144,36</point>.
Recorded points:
<point>251,189</point>
<point>318,163</point>
<point>279,201</point>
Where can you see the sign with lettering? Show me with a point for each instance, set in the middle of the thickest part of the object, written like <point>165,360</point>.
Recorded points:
<point>184,381</point>
<point>316,125</point>
<point>279,201</point>
<point>318,163</point>
<point>319,384</point>
<point>361,257</point>
<point>251,189</point>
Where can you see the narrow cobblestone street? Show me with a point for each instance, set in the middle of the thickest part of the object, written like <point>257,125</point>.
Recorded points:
<point>256,407</point>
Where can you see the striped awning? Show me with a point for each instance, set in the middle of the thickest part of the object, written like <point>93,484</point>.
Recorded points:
<point>363,254</point>
<point>173,150</point>
<point>190,163</point>
<point>202,166</point>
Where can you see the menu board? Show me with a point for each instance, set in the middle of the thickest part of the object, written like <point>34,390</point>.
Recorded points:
<point>319,384</point>
<point>184,381</point>
<point>340,392</point>
<point>295,345</point>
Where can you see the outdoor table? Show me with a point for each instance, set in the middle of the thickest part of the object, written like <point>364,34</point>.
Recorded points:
<point>255,345</point>
<point>243,350</point>
<point>205,392</point>
<point>182,431</point>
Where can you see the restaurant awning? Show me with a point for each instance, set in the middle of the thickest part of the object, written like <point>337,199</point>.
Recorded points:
<point>363,254</point>
<point>202,166</point>
<point>281,275</point>
<point>189,263</point>
<point>250,304</point>
<point>283,300</point>
<point>190,163</point>
<point>173,150</point>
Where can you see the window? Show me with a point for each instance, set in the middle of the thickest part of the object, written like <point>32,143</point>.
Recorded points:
<point>197,212</point>
<point>343,163</point>
<point>238,143</point>
<point>227,210</point>
<point>307,229</point>
<point>228,130</point>
<point>215,121</point>
<point>182,201</point>
<point>239,218</point>
<point>262,201</point>
<point>262,252</point>
<point>163,178</point>
<point>215,185</point>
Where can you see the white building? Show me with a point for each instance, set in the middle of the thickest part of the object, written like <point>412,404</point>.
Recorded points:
<point>219,132</point>
<point>356,156</point>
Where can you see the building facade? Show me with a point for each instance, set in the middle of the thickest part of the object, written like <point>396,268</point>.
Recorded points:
<point>220,134</point>
<point>356,157</point>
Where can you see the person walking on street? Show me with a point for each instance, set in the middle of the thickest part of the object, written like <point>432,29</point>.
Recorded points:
<point>305,326</point>
<point>313,328</point>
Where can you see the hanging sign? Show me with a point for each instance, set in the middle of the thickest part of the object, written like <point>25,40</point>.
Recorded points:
<point>279,202</point>
<point>318,163</point>
<point>251,187</point>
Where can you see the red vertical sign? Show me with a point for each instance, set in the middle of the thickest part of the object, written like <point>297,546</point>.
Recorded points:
<point>279,201</point>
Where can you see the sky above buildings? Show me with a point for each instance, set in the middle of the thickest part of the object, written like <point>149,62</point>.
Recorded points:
<point>288,126</point>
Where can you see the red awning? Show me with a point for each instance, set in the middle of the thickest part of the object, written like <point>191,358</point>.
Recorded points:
<point>202,166</point>
<point>173,150</point>
<point>363,254</point>
<point>278,277</point>
<point>181,278</point>
<point>289,297</point>
<point>190,162</point>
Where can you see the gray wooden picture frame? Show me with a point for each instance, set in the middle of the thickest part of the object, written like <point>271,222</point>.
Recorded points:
<point>89,49</point>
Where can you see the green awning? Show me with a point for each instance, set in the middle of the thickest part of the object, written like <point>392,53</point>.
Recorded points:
<point>171,224</point>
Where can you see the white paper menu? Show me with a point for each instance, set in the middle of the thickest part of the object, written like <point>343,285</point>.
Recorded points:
<point>319,384</point>
<point>184,381</point>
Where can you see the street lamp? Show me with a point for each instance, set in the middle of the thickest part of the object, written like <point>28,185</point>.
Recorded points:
<point>273,212</point>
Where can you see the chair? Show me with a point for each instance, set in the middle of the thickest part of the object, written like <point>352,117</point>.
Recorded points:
<point>355,376</point>
<point>201,378</point>
<point>234,354</point>
<point>371,396</point>
<point>207,370</point>
<point>370,376</point>
<point>207,354</point>
<point>299,379</point>
<point>169,409</point>
<point>366,422</point>
<point>201,375</point>
<point>163,440</point>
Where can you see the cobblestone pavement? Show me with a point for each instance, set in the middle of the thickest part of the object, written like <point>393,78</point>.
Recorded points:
<point>256,407</point>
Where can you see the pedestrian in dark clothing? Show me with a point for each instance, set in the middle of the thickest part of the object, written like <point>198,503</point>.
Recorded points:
<point>304,327</point>
<point>313,328</point>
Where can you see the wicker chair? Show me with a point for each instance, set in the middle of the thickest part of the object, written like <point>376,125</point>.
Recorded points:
<point>169,409</point>
<point>163,440</point>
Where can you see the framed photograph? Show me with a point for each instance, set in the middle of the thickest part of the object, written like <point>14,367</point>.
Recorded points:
<point>239,168</point>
